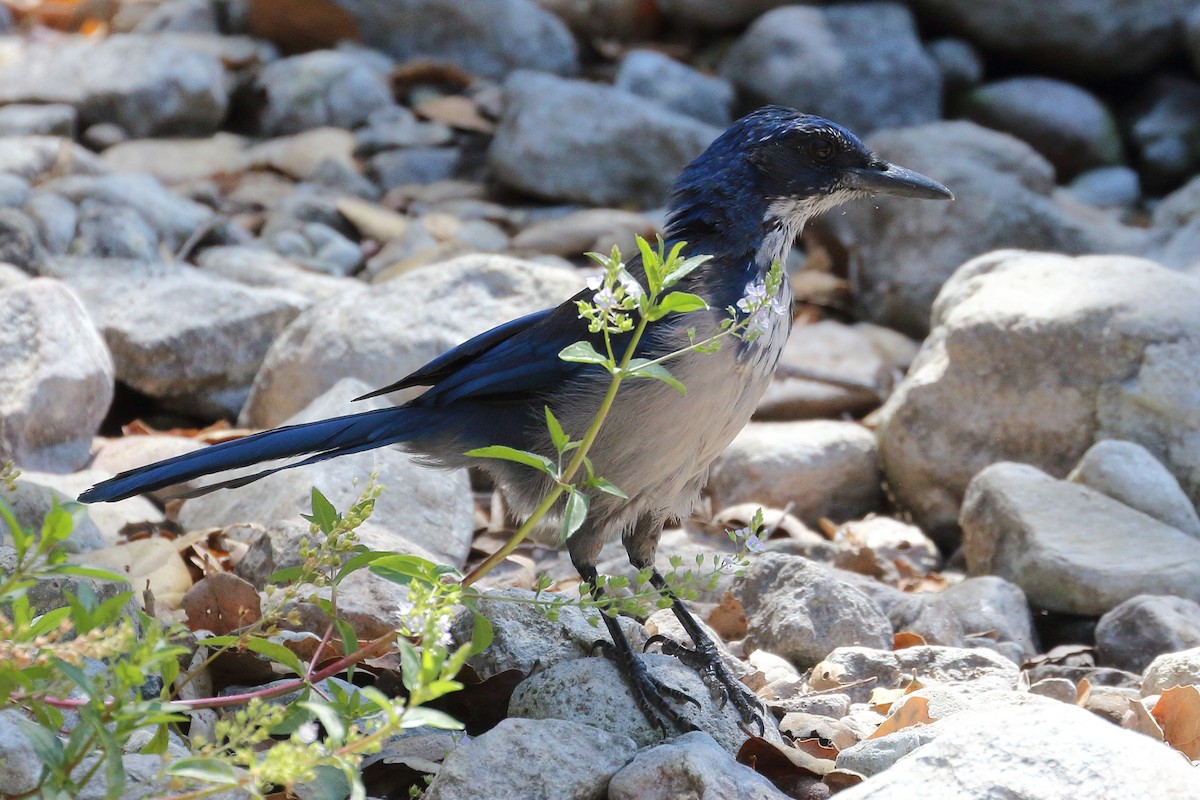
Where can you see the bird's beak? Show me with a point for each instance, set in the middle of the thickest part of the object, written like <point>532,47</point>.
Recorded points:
<point>898,181</point>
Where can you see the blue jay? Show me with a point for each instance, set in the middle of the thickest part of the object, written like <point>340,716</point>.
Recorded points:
<point>743,201</point>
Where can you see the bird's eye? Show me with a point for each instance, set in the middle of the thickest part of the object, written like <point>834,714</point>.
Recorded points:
<point>821,149</point>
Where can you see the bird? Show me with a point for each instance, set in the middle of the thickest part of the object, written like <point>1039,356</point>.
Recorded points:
<point>743,201</point>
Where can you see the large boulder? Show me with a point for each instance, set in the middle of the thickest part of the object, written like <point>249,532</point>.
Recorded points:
<point>1033,358</point>
<point>587,143</point>
<point>902,252</point>
<point>870,51</point>
<point>1086,38</point>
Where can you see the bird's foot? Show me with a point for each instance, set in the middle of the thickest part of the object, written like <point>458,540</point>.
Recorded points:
<point>706,660</point>
<point>653,696</point>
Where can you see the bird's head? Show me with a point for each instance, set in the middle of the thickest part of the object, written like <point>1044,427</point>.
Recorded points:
<point>764,177</point>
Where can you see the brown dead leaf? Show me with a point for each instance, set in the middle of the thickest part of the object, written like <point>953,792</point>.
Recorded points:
<point>915,711</point>
<point>222,603</point>
<point>1083,692</point>
<point>883,698</point>
<point>1139,719</point>
<point>1178,712</point>
<point>779,762</point>
<point>728,619</point>
<point>815,747</point>
<point>907,639</point>
<point>840,779</point>
<point>428,72</point>
<point>300,25</point>
<point>456,111</point>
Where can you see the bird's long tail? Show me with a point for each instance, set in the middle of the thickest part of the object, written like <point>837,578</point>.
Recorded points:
<point>317,440</point>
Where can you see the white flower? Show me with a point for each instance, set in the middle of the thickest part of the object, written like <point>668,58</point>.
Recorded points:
<point>755,296</point>
<point>630,285</point>
<point>755,544</point>
<point>307,732</point>
<point>595,282</point>
<point>605,300</point>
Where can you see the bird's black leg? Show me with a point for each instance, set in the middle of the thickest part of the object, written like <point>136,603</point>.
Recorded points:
<point>650,693</point>
<point>706,659</point>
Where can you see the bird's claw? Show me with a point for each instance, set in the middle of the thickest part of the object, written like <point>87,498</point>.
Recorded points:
<point>705,659</point>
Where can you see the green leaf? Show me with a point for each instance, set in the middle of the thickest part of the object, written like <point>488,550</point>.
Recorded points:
<point>557,435</point>
<point>418,717</point>
<point>80,571</point>
<point>481,634</point>
<point>642,368</point>
<point>158,742</point>
<point>357,562</point>
<point>323,515</point>
<point>410,664</point>
<point>677,303</point>
<point>48,621</point>
<point>210,770</point>
<point>575,512</point>
<point>348,635</point>
<point>286,575</point>
<point>45,744</point>
<point>606,487</point>
<point>402,569</point>
<point>57,525</point>
<point>652,264</point>
<point>684,269</point>
<point>264,647</point>
<point>334,727</point>
<point>21,537</point>
<point>540,463</point>
<point>328,783</point>
<point>582,353</point>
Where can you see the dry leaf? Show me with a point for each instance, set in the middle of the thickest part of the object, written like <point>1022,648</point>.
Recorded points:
<point>728,619</point>
<point>907,639</point>
<point>815,747</point>
<point>372,220</point>
<point>1178,712</point>
<point>915,711</point>
<point>779,762</point>
<point>299,25</point>
<point>222,603</point>
<point>457,112</point>
<point>1083,692</point>
<point>155,561</point>
<point>1139,719</point>
<point>882,699</point>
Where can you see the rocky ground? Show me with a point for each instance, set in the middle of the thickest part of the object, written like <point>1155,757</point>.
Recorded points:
<point>983,448</point>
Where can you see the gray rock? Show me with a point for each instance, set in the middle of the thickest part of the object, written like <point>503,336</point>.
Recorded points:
<point>1165,131</point>
<point>829,348</point>
<point>251,266</point>
<point>103,135</point>
<point>489,38</point>
<point>420,165</point>
<point>395,126</point>
<point>56,376</point>
<point>1172,669</point>
<point>376,350</point>
<point>509,762</point>
<point>193,340</point>
<point>594,689</point>
<point>20,765</point>
<point>692,765</point>
<point>960,64</point>
<point>109,518</point>
<point>972,671</point>
<point>1085,38</point>
<point>1061,689</point>
<point>525,639</point>
<point>143,779</point>
<point>890,540</point>
<point>792,55</point>
<point>1192,38</point>
<point>146,85</point>
<point>1035,751</point>
<point>55,218</point>
<point>1072,357</point>
<point>1070,548</point>
<point>1107,187</point>
<point>902,252</point>
<point>1128,472</point>
<point>32,157</point>
<point>658,77</point>
<point>326,87</point>
<point>799,610</point>
<point>1068,125</point>
<point>431,508</point>
<point>32,500</point>
<point>822,468</point>
<point>14,191</point>
<point>181,16</point>
<point>19,243</point>
<point>992,606</point>
<point>1131,635</point>
<point>104,231</point>
<point>928,616</point>
<point>171,218</point>
<point>49,119</point>
<point>583,142</point>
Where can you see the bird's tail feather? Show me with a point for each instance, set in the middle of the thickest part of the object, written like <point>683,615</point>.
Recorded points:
<point>317,440</point>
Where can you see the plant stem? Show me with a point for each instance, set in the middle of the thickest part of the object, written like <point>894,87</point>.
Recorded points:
<point>572,467</point>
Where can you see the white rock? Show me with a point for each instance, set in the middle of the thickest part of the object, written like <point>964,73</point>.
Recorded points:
<point>689,766</point>
<point>1172,669</point>
<point>1127,472</point>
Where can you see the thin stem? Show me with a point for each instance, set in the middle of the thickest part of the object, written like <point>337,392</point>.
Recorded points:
<point>573,466</point>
